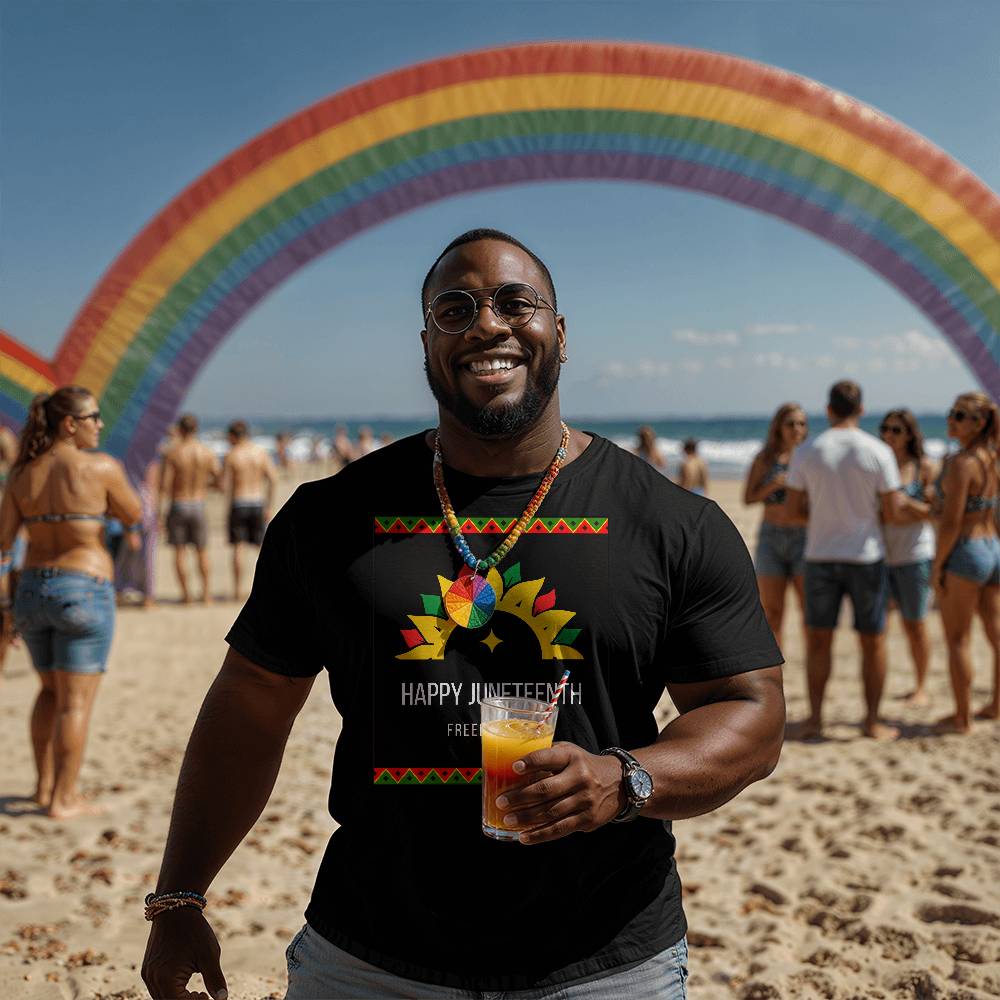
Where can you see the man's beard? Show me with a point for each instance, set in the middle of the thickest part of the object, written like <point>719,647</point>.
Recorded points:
<point>499,421</point>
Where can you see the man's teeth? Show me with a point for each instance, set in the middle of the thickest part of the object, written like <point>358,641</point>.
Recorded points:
<point>496,365</point>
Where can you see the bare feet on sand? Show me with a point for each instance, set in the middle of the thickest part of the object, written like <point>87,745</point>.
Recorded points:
<point>950,724</point>
<point>917,698</point>
<point>879,731</point>
<point>78,807</point>
<point>806,729</point>
<point>989,711</point>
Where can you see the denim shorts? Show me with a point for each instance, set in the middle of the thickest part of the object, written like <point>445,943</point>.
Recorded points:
<point>66,618</point>
<point>910,588</point>
<point>866,584</point>
<point>781,550</point>
<point>317,968</point>
<point>976,559</point>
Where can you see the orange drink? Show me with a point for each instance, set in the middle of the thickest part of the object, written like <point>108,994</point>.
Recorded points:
<point>509,729</point>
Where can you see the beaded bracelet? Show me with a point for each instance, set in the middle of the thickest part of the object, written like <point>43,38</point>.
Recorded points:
<point>157,904</point>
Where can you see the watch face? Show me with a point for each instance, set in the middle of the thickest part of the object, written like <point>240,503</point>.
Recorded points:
<point>641,784</point>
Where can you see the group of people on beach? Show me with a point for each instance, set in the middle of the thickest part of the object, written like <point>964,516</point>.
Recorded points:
<point>189,470</point>
<point>847,514</point>
<point>663,597</point>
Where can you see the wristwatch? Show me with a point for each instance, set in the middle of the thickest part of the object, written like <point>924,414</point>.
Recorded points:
<point>637,782</point>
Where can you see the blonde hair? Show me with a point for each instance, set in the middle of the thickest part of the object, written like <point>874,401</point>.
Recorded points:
<point>989,436</point>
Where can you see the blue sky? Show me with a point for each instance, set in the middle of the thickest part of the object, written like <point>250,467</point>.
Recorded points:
<point>676,303</point>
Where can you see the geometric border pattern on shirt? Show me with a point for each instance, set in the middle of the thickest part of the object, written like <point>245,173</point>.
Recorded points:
<point>428,776</point>
<point>395,524</point>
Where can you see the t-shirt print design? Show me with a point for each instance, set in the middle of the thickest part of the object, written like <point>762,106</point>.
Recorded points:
<point>526,617</point>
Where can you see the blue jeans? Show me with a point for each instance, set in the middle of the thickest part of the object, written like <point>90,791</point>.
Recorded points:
<point>866,584</point>
<point>67,619</point>
<point>910,588</point>
<point>976,559</point>
<point>319,970</point>
<point>781,550</point>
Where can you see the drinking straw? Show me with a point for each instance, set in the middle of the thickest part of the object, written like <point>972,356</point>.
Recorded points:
<point>555,698</point>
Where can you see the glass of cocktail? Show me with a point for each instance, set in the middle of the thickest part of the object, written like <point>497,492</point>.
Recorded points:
<point>509,729</point>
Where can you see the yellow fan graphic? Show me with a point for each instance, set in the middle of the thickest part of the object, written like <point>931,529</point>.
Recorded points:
<point>428,639</point>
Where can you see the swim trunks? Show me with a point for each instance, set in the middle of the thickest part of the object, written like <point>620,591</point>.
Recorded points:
<point>186,523</point>
<point>246,522</point>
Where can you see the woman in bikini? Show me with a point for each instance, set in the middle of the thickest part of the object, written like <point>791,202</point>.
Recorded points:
<point>967,564</point>
<point>781,543</point>
<point>64,608</point>
<point>909,542</point>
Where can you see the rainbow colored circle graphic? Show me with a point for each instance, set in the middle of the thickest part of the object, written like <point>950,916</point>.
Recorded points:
<point>470,602</point>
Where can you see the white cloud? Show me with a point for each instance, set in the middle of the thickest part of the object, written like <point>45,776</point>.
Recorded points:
<point>774,359</point>
<point>916,343</point>
<point>691,367</point>
<point>778,329</point>
<point>624,371</point>
<point>725,361</point>
<point>706,338</point>
<point>825,361</point>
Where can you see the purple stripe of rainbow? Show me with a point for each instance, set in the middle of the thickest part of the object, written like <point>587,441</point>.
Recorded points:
<point>503,171</point>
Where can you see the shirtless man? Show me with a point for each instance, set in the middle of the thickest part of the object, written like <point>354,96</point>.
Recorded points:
<point>189,470</point>
<point>694,471</point>
<point>249,478</point>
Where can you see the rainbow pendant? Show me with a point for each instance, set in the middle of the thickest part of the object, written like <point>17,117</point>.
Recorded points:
<point>470,601</point>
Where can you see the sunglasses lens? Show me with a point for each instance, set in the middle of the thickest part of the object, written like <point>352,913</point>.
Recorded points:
<point>957,415</point>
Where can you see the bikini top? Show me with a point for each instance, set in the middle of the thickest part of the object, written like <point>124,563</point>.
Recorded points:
<point>60,518</point>
<point>778,496</point>
<point>973,504</point>
<point>914,490</point>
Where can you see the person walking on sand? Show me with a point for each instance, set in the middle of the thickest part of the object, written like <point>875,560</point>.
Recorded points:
<point>60,489</point>
<point>909,543</point>
<point>647,447</point>
<point>845,479</point>
<point>781,543</point>
<point>966,567</point>
<point>189,470</point>
<point>693,470</point>
<point>249,480</point>
<point>340,586</point>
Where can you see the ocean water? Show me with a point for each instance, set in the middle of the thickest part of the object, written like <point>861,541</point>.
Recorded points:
<point>728,444</point>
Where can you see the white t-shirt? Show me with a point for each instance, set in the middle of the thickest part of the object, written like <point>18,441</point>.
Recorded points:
<point>844,470</point>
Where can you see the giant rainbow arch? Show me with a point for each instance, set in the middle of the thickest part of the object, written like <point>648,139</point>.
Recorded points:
<point>703,121</point>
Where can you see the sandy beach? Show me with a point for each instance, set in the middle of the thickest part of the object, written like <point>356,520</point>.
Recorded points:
<point>858,870</point>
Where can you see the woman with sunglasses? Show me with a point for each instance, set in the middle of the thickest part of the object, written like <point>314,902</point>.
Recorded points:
<point>782,539</point>
<point>909,541</point>
<point>61,490</point>
<point>967,564</point>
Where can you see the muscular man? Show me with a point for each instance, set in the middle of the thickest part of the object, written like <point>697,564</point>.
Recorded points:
<point>634,584</point>
<point>190,469</point>
<point>249,480</point>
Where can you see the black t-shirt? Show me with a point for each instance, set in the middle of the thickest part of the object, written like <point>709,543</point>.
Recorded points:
<point>623,577</point>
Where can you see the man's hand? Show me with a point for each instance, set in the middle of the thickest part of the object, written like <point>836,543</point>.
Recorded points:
<point>569,790</point>
<point>181,943</point>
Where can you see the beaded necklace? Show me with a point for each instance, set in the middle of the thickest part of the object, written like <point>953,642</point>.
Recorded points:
<point>471,600</point>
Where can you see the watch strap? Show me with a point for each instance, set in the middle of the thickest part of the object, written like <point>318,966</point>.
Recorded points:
<point>629,764</point>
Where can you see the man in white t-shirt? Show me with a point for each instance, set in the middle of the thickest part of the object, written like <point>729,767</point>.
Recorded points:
<point>849,481</point>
